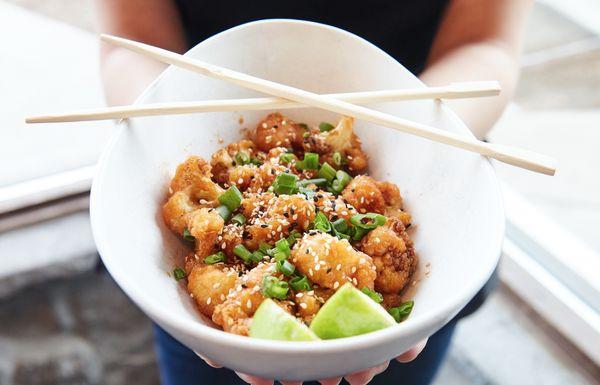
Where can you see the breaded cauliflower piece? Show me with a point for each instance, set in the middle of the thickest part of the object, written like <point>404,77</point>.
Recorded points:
<point>194,178</point>
<point>205,225</point>
<point>229,237</point>
<point>334,207</point>
<point>209,285</point>
<point>234,314</point>
<point>309,302</point>
<point>392,253</point>
<point>176,212</point>
<point>368,195</point>
<point>270,220</point>
<point>225,168</point>
<point>277,131</point>
<point>330,262</point>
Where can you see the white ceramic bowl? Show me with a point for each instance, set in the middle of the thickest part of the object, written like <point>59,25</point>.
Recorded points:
<point>453,195</point>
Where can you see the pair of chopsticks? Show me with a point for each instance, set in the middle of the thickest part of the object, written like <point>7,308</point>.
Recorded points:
<point>510,155</point>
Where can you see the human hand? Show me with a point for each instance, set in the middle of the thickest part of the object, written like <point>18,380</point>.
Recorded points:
<point>359,378</point>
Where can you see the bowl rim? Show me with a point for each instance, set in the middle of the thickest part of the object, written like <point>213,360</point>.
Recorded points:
<point>217,336</point>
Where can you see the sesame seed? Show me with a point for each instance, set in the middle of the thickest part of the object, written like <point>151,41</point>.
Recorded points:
<point>264,125</point>
<point>336,284</point>
<point>353,269</point>
<point>249,304</point>
<point>338,267</point>
<point>208,300</point>
<point>303,305</point>
<point>299,295</point>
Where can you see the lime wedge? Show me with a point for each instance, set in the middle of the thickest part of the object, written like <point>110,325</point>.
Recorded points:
<point>272,323</point>
<point>349,312</point>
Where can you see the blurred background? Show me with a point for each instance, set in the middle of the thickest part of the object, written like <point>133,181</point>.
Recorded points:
<point>64,321</point>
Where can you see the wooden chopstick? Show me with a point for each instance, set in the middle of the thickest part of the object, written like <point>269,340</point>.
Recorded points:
<point>452,91</point>
<point>514,156</point>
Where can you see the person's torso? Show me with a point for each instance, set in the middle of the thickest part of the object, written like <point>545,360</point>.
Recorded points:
<point>405,29</point>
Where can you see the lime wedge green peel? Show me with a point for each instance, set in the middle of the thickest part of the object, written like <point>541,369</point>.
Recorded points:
<point>271,322</point>
<point>349,312</point>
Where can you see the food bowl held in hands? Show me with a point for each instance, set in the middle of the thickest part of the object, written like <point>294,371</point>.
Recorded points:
<point>452,195</point>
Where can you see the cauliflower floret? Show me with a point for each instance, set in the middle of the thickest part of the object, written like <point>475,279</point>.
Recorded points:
<point>226,169</point>
<point>330,262</point>
<point>309,302</point>
<point>368,195</point>
<point>230,237</point>
<point>277,131</point>
<point>205,225</point>
<point>176,212</point>
<point>209,285</point>
<point>392,253</point>
<point>235,313</point>
<point>193,178</point>
<point>333,207</point>
<point>268,221</point>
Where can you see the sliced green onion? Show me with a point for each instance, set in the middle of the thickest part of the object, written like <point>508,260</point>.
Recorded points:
<point>300,283</point>
<point>257,256</point>
<point>272,287</point>
<point>283,246</point>
<point>286,158</point>
<point>315,181</point>
<point>232,198</point>
<point>280,256</point>
<point>400,313</point>
<point>309,193</point>
<point>326,171</point>
<point>242,158</point>
<point>306,135</point>
<point>224,212</point>
<point>321,223</point>
<point>286,267</point>
<point>285,183</point>
<point>188,236</point>
<point>358,233</point>
<point>243,253</point>
<point>324,127</point>
<point>342,178</point>
<point>337,158</point>
<point>255,161</point>
<point>368,221</point>
<point>215,258</point>
<point>375,296</point>
<point>340,225</point>
<point>303,125</point>
<point>178,273</point>
<point>264,247</point>
<point>294,235</point>
<point>238,219</point>
<point>310,162</point>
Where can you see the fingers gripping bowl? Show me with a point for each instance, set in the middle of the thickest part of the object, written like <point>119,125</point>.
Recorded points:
<point>453,195</point>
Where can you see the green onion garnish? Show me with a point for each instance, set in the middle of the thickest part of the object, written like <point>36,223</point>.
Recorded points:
<point>342,178</point>
<point>257,256</point>
<point>285,183</point>
<point>243,253</point>
<point>326,171</point>
<point>238,219</point>
<point>316,181</point>
<point>215,258</point>
<point>280,256</point>
<point>337,158</point>
<point>232,198</point>
<point>178,273</point>
<point>300,283</point>
<point>286,267</point>
<point>272,287</point>
<point>242,158</point>
<point>309,193</point>
<point>306,135</point>
<point>224,212</point>
<point>324,127</point>
<point>368,221</point>
<point>310,162</point>
<point>400,313</point>
<point>255,161</point>
<point>188,236</point>
<point>303,125</point>
<point>286,158</point>
<point>294,235</point>
<point>340,225</point>
<point>321,223</point>
<point>358,233</point>
<point>375,296</point>
<point>264,247</point>
<point>283,246</point>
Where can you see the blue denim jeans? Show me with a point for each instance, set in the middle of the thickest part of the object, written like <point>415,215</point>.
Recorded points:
<point>180,366</point>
